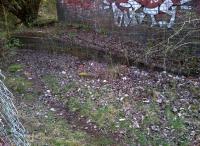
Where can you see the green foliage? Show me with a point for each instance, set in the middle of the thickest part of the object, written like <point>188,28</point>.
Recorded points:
<point>56,131</point>
<point>103,141</point>
<point>7,23</point>
<point>29,97</point>
<point>195,91</point>
<point>157,116</point>
<point>174,121</point>
<point>142,137</point>
<point>13,43</point>
<point>21,87</point>
<point>72,35</point>
<point>60,142</point>
<point>15,68</point>
<point>2,34</point>
<point>152,114</point>
<point>105,116</point>
<point>9,48</point>
<point>74,104</point>
<point>103,31</point>
<point>110,117</point>
<point>18,84</point>
<point>69,86</point>
<point>54,85</point>
<point>7,44</point>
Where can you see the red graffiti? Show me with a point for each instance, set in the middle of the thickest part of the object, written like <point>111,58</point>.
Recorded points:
<point>150,3</point>
<point>155,3</point>
<point>85,4</point>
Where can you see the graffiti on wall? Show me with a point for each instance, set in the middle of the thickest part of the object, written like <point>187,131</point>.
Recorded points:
<point>132,12</point>
<point>84,4</point>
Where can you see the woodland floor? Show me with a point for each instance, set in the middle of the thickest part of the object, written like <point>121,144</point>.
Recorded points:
<point>65,101</point>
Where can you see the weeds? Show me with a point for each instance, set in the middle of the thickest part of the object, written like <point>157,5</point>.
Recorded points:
<point>21,86</point>
<point>15,68</point>
<point>56,132</point>
<point>157,122</point>
<point>157,126</point>
<point>74,104</point>
<point>13,43</point>
<point>8,49</point>
<point>18,84</point>
<point>54,85</point>
<point>72,34</point>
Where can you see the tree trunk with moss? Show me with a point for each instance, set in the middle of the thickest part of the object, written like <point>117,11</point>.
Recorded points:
<point>25,10</point>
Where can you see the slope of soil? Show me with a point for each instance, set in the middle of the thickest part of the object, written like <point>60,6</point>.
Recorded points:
<point>176,51</point>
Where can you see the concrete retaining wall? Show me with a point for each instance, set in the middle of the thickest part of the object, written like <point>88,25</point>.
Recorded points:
<point>127,13</point>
